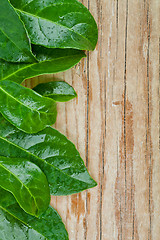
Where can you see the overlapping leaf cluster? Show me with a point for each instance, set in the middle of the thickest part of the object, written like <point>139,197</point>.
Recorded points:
<point>38,37</point>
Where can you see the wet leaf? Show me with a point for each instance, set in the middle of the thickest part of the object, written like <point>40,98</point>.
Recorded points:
<point>26,182</point>
<point>14,41</point>
<point>26,109</point>
<point>16,224</point>
<point>58,90</point>
<point>52,152</point>
<point>58,23</point>
<point>50,61</point>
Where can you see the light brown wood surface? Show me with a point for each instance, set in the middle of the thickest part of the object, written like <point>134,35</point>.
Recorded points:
<point>114,123</point>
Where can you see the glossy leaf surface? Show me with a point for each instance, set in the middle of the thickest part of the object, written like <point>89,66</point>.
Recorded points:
<point>52,152</point>
<point>59,91</point>
<point>51,61</point>
<point>58,23</point>
<point>26,182</point>
<point>17,224</point>
<point>14,42</point>
<point>26,109</point>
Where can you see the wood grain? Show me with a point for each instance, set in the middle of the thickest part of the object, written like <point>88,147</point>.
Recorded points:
<point>114,123</point>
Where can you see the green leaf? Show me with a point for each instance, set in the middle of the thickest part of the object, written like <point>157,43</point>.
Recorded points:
<point>26,182</point>
<point>52,152</point>
<point>14,42</point>
<point>59,91</point>
<point>51,61</point>
<point>26,109</point>
<point>58,23</point>
<point>16,224</point>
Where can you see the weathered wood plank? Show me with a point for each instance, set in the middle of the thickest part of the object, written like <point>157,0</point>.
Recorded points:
<point>114,123</point>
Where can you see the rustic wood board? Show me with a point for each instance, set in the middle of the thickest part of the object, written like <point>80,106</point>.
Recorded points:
<point>114,123</point>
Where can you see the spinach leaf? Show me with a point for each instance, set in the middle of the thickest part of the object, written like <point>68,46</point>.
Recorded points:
<point>26,109</point>
<point>59,91</point>
<point>21,226</point>
<point>14,42</point>
<point>52,152</point>
<point>26,182</point>
<point>58,23</point>
<point>50,61</point>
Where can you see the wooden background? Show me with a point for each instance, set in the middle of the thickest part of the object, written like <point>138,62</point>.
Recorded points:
<point>114,123</point>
